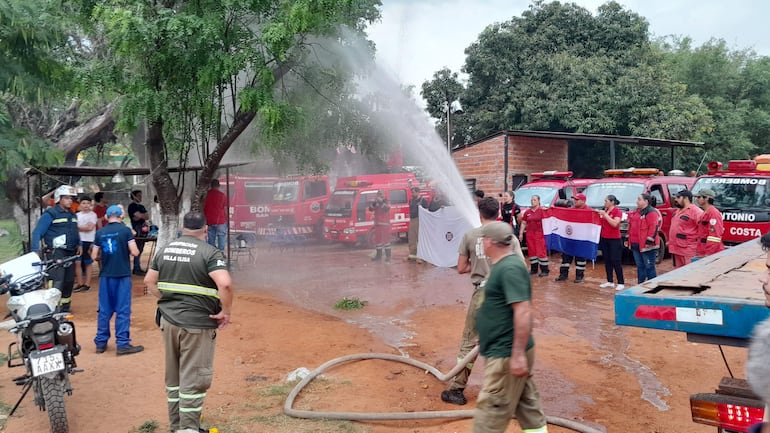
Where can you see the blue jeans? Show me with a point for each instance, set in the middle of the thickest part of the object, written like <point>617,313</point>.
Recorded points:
<point>217,235</point>
<point>114,298</point>
<point>645,265</point>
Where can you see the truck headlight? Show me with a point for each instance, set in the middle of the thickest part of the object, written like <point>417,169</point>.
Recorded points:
<point>349,231</point>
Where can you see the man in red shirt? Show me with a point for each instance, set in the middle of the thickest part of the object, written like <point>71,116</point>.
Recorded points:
<point>683,234</point>
<point>214,209</point>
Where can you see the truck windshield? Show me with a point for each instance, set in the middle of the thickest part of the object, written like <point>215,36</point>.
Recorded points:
<point>257,192</point>
<point>625,192</point>
<point>285,191</point>
<point>525,193</point>
<point>341,201</point>
<point>736,192</point>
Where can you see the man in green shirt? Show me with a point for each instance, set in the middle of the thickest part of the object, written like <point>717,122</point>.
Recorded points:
<point>504,324</point>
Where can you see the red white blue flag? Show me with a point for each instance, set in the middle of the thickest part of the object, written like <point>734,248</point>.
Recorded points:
<point>572,231</point>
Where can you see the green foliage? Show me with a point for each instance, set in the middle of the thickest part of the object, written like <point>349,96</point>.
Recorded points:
<point>350,304</point>
<point>10,245</point>
<point>150,426</point>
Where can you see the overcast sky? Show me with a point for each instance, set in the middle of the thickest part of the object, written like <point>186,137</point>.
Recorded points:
<point>415,38</point>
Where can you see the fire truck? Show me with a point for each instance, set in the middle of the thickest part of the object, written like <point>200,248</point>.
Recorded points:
<point>297,207</point>
<point>550,186</point>
<point>742,195</point>
<point>627,184</point>
<point>250,198</point>
<point>715,300</point>
<point>347,218</point>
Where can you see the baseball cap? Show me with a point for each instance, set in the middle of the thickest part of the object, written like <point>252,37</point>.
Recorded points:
<point>685,193</point>
<point>498,231</point>
<point>708,193</point>
<point>113,211</point>
<point>579,196</point>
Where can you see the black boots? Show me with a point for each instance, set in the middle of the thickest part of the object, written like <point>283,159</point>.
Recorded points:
<point>579,276</point>
<point>387,254</point>
<point>378,255</point>
<point>543,271</point>
<point>533,269</point>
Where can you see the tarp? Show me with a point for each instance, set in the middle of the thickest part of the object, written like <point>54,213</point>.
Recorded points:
<point>440,235</point>
<point>572,231</point>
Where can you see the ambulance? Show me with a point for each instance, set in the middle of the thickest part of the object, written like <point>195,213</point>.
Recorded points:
<point>347,218</point>
<point>742,195</point>
<point>250,198</point>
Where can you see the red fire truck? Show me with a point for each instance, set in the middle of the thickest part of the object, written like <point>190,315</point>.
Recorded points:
<point>297,207</point>
<point>742,195</point>
<point>347,218</point>
<point>550,186</point>
<point>250,198</point>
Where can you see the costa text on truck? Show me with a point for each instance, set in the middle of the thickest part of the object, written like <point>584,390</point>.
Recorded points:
<point>347,218</point>
<point>297,207</point>
<point>715,300</point>
<point>250,198</point>
<point>742,195</point>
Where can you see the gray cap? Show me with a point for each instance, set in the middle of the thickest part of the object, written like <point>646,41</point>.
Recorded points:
<point>708,193</point>
<point>499,232</point>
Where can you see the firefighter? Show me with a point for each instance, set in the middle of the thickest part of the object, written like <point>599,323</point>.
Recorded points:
<point>683,234</point>
<point>710,226</point>
<point>58,228</point>
<point>381,210</point>
<point>533,219</point>
<point>566,259</point>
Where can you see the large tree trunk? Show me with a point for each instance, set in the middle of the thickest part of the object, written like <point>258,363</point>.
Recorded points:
<point>164,185</point>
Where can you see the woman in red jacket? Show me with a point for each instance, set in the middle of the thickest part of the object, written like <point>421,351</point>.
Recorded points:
<point>610,242</point>
<point>532,226</point>
<point>643,227</point>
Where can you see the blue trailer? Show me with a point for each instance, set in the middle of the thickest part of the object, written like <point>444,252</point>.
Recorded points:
<point>716,300</point>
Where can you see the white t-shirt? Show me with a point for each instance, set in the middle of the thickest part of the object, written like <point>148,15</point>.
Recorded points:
<point>83,219</point>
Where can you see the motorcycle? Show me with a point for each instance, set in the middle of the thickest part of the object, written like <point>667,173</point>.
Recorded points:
<point>45,338</point>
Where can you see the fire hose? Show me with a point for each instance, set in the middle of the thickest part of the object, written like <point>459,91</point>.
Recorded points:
<point>394,416</point>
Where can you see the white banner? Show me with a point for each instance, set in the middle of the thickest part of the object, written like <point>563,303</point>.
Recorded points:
<point>440,235</point>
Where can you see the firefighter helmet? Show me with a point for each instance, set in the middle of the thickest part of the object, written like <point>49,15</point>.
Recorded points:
<point>64,190</point>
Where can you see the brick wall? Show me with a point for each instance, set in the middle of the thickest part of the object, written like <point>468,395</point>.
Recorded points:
<point>483,161</point>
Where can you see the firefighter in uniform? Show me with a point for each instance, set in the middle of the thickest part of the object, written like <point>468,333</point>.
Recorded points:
<point>566,259</point>
<point>58,228</point>
<point>710,226</point>
<point>683,233</point>
<point>381,210</point>
<point>194,288</point>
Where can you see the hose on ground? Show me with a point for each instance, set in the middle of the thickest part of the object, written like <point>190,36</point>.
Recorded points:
<point>289,410</point>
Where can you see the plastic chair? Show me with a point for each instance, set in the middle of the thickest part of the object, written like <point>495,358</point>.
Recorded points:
<point>244,245</point>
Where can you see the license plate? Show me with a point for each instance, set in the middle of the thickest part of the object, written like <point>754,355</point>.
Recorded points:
<point>46,361</point>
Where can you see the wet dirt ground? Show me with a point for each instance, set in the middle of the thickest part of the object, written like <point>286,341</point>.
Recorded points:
<point>615,379</point>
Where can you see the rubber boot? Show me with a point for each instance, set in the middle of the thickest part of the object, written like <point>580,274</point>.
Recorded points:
<point>563,274</point>
<point>543,271</point>
<point>377,255</point>
<point>533,268</point>
<point>387,254</point>
<point>579,276</point>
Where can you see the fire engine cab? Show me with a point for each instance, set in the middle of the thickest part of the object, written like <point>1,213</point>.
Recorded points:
<point>742,195</point>
<point>347,217</point>
<point>550,186</point>
<point>297,207</point>
<point>250,198</point>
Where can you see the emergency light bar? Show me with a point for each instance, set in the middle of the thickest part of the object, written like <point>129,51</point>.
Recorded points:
<point>710,409</point>
<point>552,174</point>
<point>356,183</point>
<point>631,171</point>
<point>742,165</point>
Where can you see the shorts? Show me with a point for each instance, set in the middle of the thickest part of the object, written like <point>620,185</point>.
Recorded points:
<point>86,256</point>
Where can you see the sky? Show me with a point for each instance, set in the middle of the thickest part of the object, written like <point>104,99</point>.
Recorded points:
<point>416,38</point>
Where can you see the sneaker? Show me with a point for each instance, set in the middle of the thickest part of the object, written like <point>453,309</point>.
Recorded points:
<point>81,288</point>
<point>139,272</point>
<point>129,350</point>
<point>100,349</point>
<point>620,287</point>
<point>607,284</point>
<point>454,396</point>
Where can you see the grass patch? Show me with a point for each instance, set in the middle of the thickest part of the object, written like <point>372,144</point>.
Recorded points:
<point>10,245</point>
<point>350,304</point>
<point>150,426</point>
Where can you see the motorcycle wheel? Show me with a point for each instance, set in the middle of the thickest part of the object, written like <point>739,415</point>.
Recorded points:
<point>53,394</point>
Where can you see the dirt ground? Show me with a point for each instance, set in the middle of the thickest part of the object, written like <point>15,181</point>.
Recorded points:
<point>612,378</point>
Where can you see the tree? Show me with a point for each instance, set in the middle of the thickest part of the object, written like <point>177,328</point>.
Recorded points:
<point>444,88</point>
<point>198,73</point>
<point>559,68</point>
